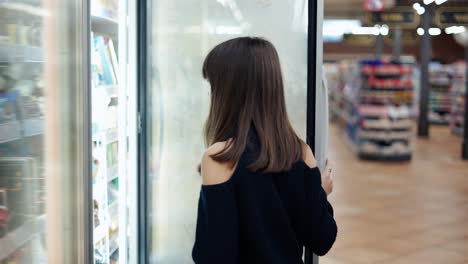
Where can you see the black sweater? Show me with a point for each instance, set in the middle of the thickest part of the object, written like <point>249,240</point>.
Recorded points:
<point>263,217</point>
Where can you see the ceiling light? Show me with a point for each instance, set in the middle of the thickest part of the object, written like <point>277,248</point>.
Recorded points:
<point>416,6</point>
<point>435,31</point>
<point>420,31</point>
<point>420,10</point>
<point>384,30</point>
<point>455,30</point>
<point>439,2</point>
<point>376,31</point>
<point>428,2</point>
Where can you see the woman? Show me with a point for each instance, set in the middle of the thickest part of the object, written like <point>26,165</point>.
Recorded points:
<point>262,198</point>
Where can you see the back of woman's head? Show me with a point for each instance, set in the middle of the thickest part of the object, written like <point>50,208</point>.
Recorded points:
<point>247,90</point>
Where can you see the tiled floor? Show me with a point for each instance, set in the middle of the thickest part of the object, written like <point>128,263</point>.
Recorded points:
<point>412,212</point>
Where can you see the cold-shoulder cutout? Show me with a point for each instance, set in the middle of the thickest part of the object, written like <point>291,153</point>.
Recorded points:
<point>213,172</point>
<point>308,156</point>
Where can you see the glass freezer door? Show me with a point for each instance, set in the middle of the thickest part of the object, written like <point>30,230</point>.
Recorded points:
<point>44,132</point>
<point>113,130</point>
<point>180,33</point>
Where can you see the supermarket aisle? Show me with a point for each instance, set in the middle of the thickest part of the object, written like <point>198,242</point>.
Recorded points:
<point>414,212</point>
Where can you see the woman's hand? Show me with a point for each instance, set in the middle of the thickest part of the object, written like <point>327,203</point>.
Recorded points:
<point>327,178</point>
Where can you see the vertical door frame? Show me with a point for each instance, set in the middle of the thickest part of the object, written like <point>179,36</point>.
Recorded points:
<point>69,210</point>
<point>88,199</point>
<point>127,131</point>
<point>142,152</point>
<point>131,212</point>
<point>314,79</point>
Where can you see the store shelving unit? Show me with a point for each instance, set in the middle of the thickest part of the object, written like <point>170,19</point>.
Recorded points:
<point>440,98</point>
<point>379,124</point>
<point>341,98</point>
<point>458,98</point>
<point>22,195</point>
<point>106,131</point>
<point>24,57</point>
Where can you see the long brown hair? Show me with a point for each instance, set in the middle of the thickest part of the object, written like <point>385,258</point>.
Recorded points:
<point>247,89</point>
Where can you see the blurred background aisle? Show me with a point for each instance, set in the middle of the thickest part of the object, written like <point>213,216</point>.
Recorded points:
<point>412,212</point>
<point>396,73</point>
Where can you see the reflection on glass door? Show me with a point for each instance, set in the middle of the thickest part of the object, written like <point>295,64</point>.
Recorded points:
<point>113,132</point>
<point>22,110</point>
<point>180,35</point>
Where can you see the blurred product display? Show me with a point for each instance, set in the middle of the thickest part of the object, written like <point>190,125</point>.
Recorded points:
<point>440,98</point>
<point>376,102</point>
<point>380,100</point>
<point>109,137</point>
<point>458,90</point>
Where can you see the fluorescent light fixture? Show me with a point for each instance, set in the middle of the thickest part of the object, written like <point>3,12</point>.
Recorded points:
<point>439,2</point>
<point>334,29</point>
<point>416,6</point>
<point>420,31</point>
<point>420,10</point>
<point>435,31</point>
<point>384,30</point>
<point>428,2</point>
<point>376,30</point>
<point>366,31</point>
<point>455,30</point>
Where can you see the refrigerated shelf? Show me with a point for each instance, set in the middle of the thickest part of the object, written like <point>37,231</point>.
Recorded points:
<point>21,235</point>
<point>112,89</point>
<point>100,233</point>
<point>30,7</point>
<point>10,131</point>
<point>103,24</point>
<point>33,127</point>
<point>112,173</point>
<point>112,135</point>
<point>10,53</point>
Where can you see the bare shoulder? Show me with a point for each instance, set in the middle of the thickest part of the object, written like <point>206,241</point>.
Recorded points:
<point>214,172</point>
<point>308,156</point>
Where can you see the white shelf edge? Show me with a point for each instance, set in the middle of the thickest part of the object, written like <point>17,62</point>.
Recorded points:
<point>99,233</point>
<point>112,173</point>
<point>104,19</point>
<point>104,25</point>
<point>26,8</point>
<point>112,135</point>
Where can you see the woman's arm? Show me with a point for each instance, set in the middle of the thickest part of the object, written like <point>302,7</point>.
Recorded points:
<point>217,230</point>
<point>320,226</point>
